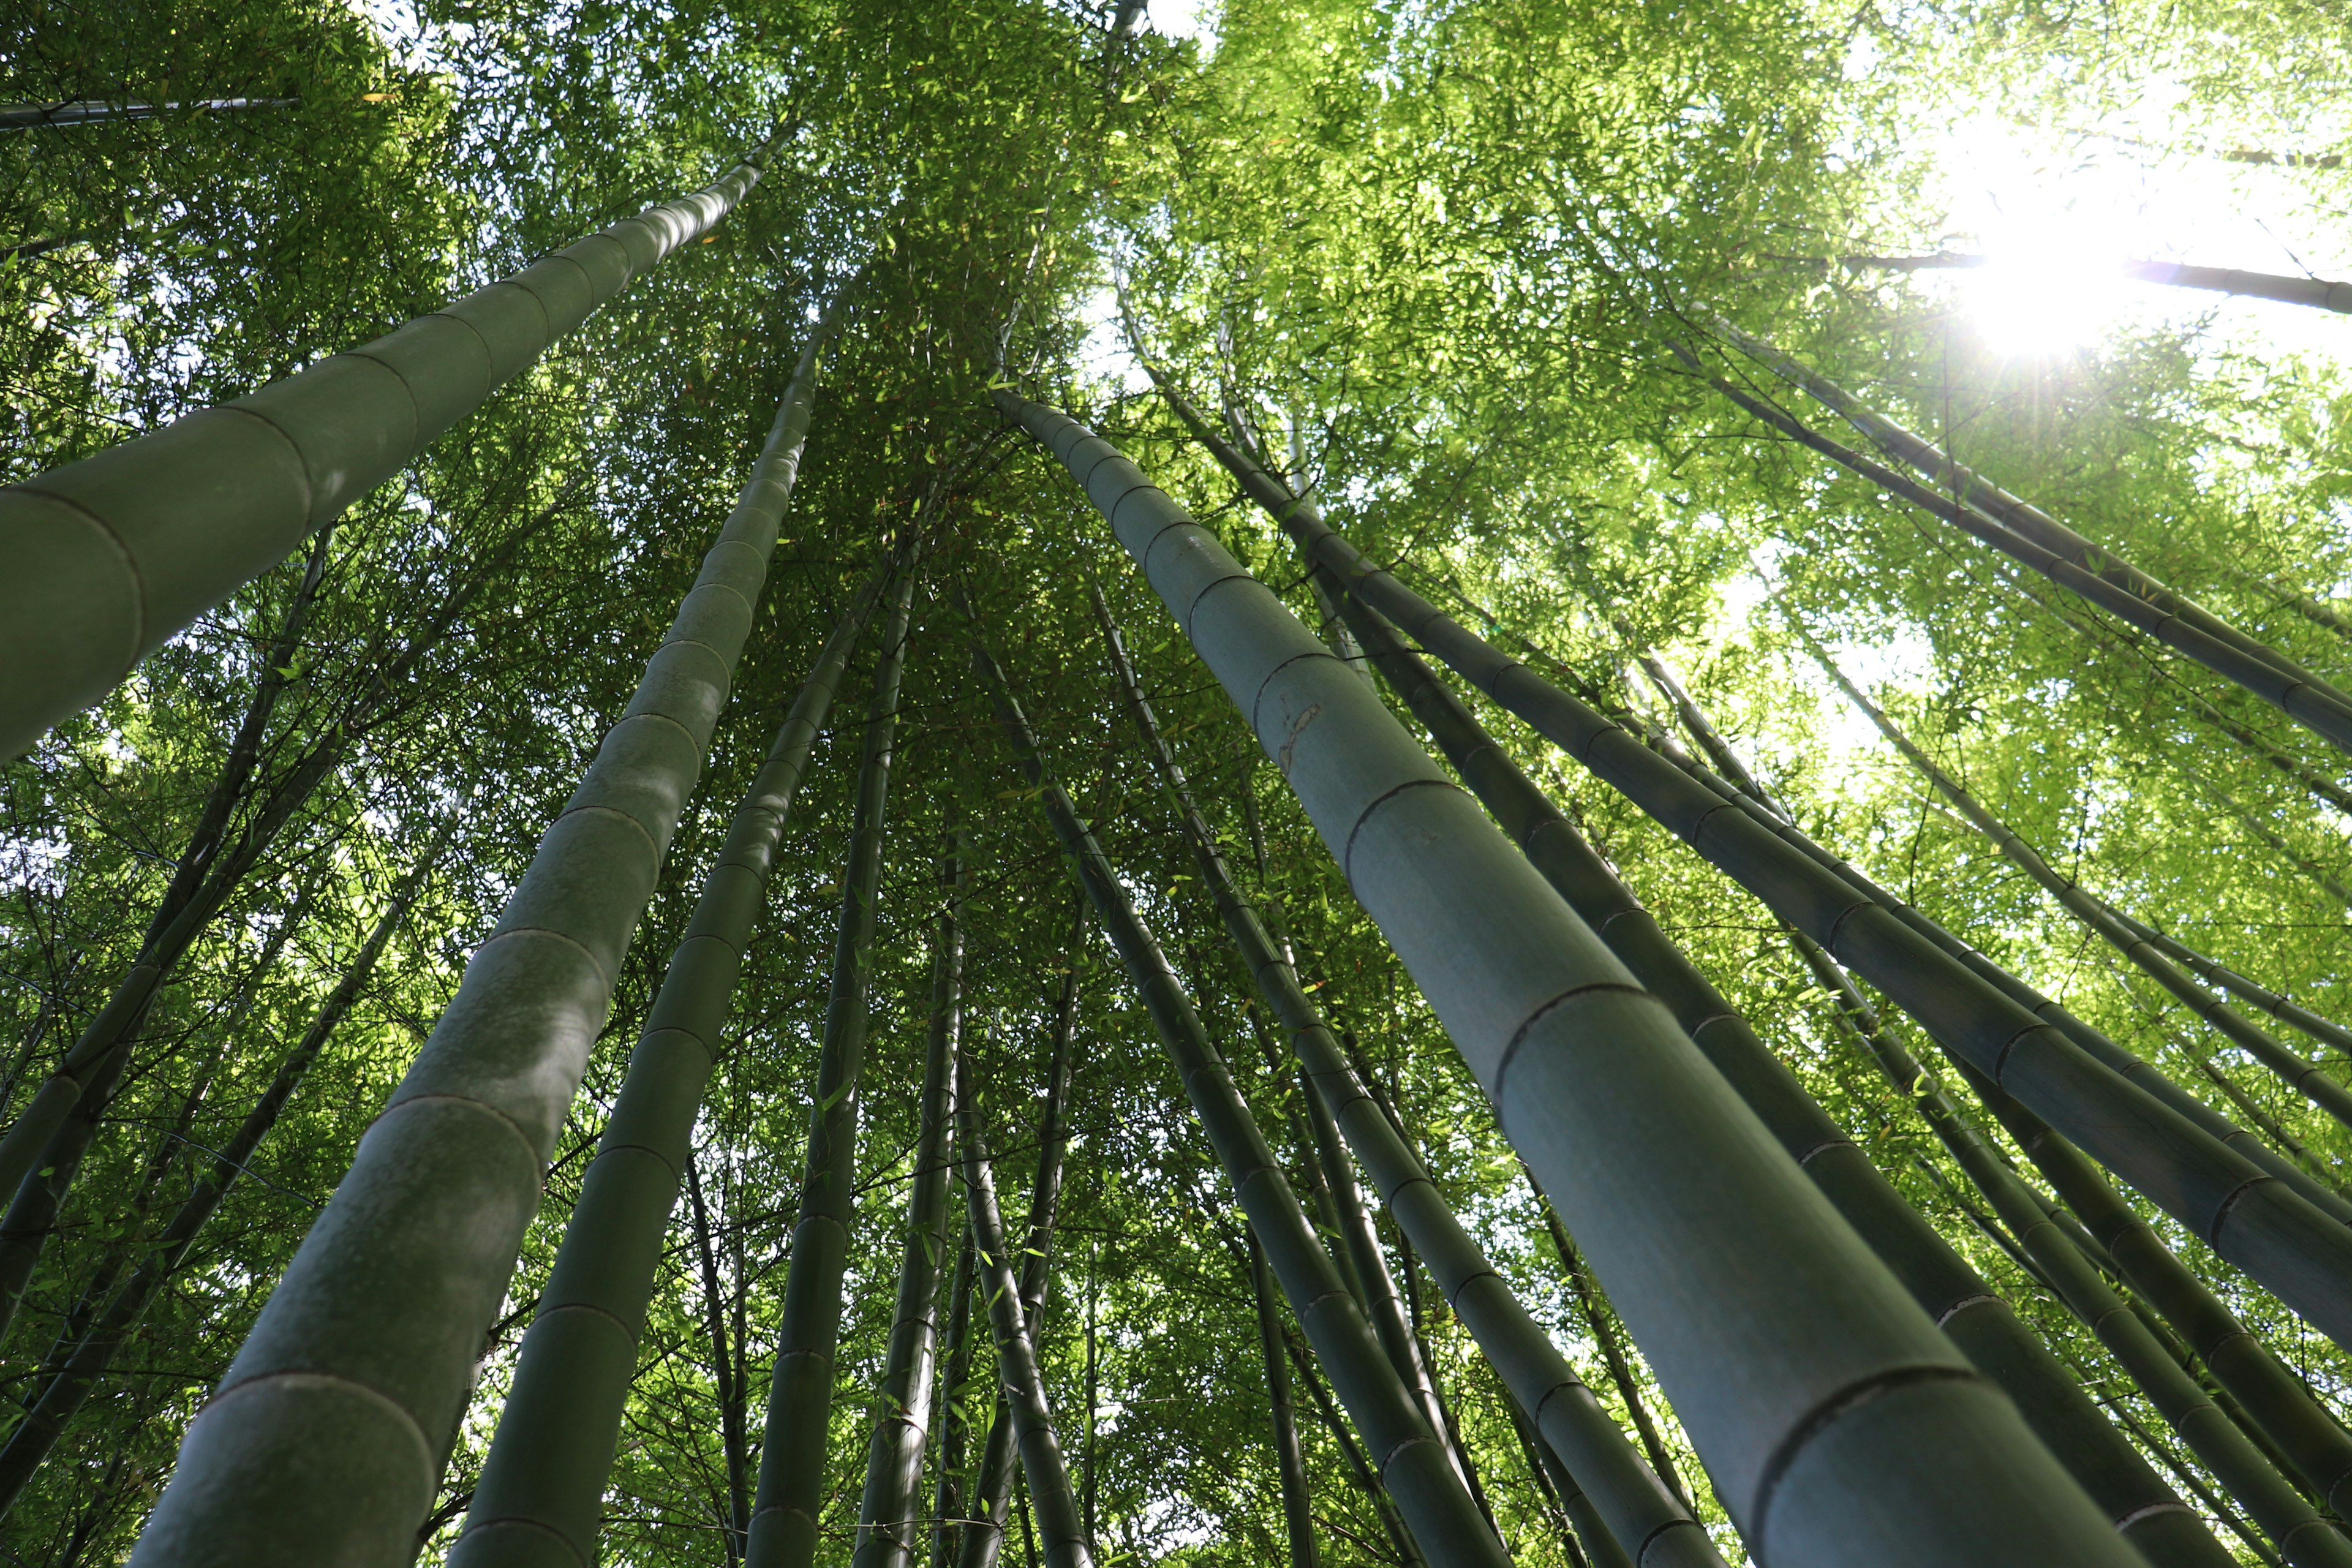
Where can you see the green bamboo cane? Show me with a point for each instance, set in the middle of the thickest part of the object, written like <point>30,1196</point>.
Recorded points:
<point>800,1393</point>
<point>1411,1460</point>
<point>1839,1424</point>
<point>2102,1460</point>
<point>108,557</point>
<point>887,1528</point>
<point>2261,1215</point>
<point>1050,1496</point>
<point>2261,672</point>
<point>954,1425</point>
<point>1298,1505</point>
<point>2027,521</point>
<point>326,1439</point>
<point>992,1490</point>
<point>63,1395</point>
<point>2296,1073</point>
<point>2285,1010</point>
<point>2271,1395</point>
<point>1644,1519</point>
<point>543,1482</point>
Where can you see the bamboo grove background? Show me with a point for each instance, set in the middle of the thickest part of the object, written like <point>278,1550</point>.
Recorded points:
<point>1441,254</point>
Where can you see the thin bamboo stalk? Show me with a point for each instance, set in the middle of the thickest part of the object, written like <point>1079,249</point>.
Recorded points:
<point>1297,1512</point>
<point>1644,1519</point>
<point>2317,292</point>
<point>2284,1009</point>
<point>326,1439</point>
<point>800,1393</point>
<point>1833,1415</point>
<point>2157,1137</point>
<point>1042,1466</point>
<point>954,1426</point>
<point>1412,1463</point>
<point>2101,1460</point>
<point>108,557</point>
<point>888,1530</point>
<point>2094,574</point>
<point>2297,1074</point>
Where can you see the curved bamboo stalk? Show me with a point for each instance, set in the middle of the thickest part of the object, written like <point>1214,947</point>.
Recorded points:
<point>888,1529</point>
<point>2074,563</point>
<point>109,557</point>
<point>545,1473</point>
<point>1411,1460</point>
<point>2284,1231</point>
<point>2297,1074</point>
<point>72,1383</point>
<point>1634,1511</point>
<point>1050,1496</point>
<point>326,1439</point>
<point>1832,1413</point>
<point>2101,1460</point>
<point>800,1393</point>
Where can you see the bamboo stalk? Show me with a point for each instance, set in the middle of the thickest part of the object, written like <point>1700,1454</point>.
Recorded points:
<point>800,1393</point>
<point>2101,1460</point>
<point>326,1439</point>
<point>1412,1463</point>
<point>2285,1233</point>
<point>2301,1076</point>
<point>886,1526</point>
<point>1042,1466</point>
<point>1835,1439</point>
<point>108,558</point>
<point>2319,293</point>
<point>1297,1515</point>
<point>1645,1519</point>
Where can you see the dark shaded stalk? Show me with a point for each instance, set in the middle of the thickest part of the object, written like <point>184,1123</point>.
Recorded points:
<point>732,1436</point>
<point>1367,1479</point>
<point>887,1528</point>
<point>1412,1462</point>
<point>2093,913</point>
<point>1050,1497</point>
<point>1547,1475</point>
<point>799,1395</point>
<point>1297,1514</point>
<point>953,1423</point>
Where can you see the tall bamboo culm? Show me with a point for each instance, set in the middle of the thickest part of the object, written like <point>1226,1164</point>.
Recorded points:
<point>1411,1459</point>
<point>799,1395</point>
<point>888,1530</point>
<point>326,1439</point>
<point>2099,1456</point>
<point>542,1484</point>
<point>103,559</point>
<point>1839,1427</point>
<point>1289,1462</point>
<point>2263,1215</point>
<point>1056,1505</point>
<point>1617,1503</point>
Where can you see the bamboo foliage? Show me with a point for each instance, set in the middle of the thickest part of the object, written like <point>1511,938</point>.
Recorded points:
<point>800,1393</point>
<point>328,1434</point>
<point>1528,994</point>
<point>111,557</point>
<point>1621,1510</point>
